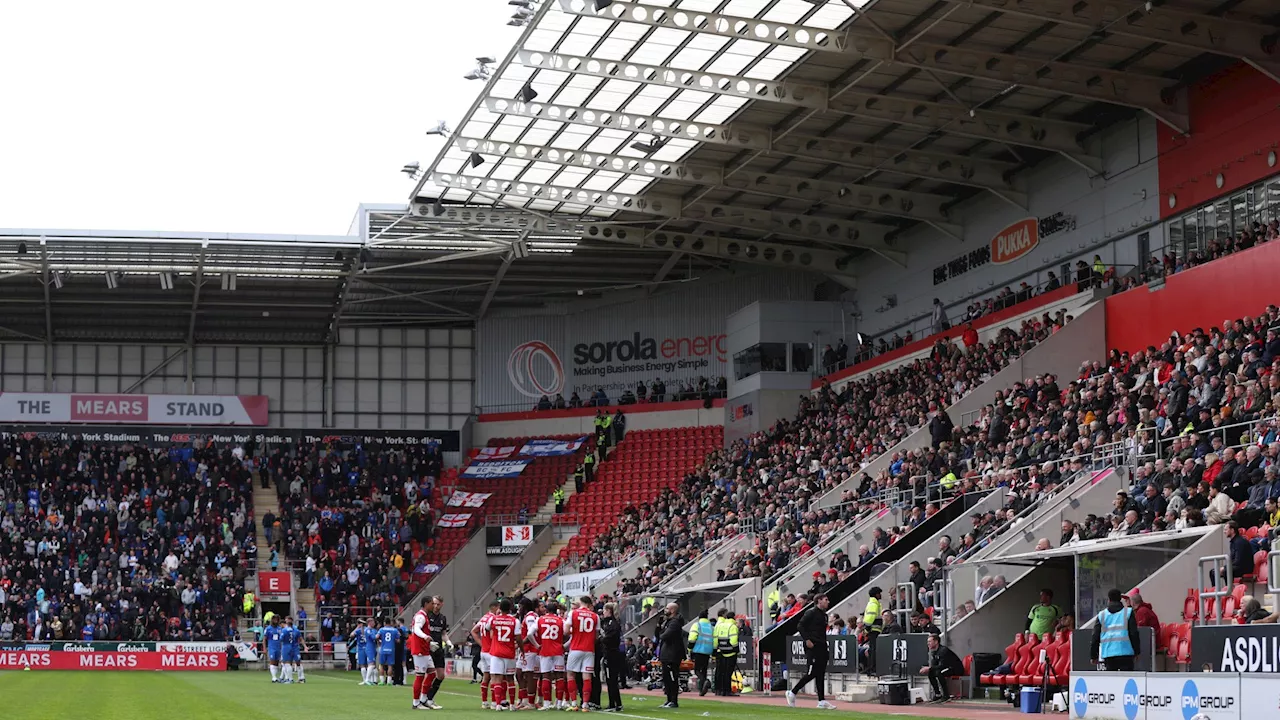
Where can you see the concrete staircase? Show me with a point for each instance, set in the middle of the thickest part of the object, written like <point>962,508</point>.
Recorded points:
<point>551,553</point>
<point>264,501</point>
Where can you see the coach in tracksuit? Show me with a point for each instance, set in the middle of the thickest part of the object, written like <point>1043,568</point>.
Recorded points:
<point>813,630</point>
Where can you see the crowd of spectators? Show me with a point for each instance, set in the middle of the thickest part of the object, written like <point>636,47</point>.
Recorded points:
<point>699,388</point>
<point>352,517</point>
<point>770,480</point>
<point>116,541</point>
<point>1172,263</point>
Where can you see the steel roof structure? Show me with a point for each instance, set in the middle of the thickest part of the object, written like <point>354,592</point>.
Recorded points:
<point>805,133</point>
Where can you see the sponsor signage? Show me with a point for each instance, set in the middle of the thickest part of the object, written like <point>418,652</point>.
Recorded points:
<point>1015,241</point>
<point>901,653</point>
<point>842,655</point>
<point>551,448</point>
<point>1144,661</point>
<point>147,658</point>
<point>494,469</point>
<point>535,369</point>
<point>445,440</point>
<point>274,585</point>
<point>1236,648</point>
<point>1165,696</point>
<point>517,535</point>
<point>582,583</point>
<point>105,409</point>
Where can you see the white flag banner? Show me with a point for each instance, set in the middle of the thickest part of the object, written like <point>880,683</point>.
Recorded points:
<point>454,520</point>
<point>496,453</point>
<point>493,469</point>
<point>468,499</point>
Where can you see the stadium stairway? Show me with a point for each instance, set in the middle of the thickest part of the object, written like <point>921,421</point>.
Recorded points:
<point>538,572</point>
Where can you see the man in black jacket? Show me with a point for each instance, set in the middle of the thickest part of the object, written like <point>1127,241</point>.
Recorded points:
<point>943,663</point>
<point>671,653</point>
<point>813,630</point>
<point>615,663</point>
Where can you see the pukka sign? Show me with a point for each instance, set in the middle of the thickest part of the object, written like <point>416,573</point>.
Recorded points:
<point>1015,241</point>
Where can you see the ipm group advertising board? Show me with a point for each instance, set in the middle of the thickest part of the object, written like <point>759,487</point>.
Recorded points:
<point>1165,696</point>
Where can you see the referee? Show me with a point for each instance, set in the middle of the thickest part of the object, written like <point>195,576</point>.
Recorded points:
<point>813,630</point>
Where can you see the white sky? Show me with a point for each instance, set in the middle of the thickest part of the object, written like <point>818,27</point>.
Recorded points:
<point>274,116</point>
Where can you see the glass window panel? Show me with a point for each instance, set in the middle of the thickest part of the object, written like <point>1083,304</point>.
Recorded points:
<point>773,357</point>
<point>1191,232</point>
<point>1239,213</point>
<point>1222,220</point>
<point>746,362</point>
<point>1173,236</point>
<point>801,357</point>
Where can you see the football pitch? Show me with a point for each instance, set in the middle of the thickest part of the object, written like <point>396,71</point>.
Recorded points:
<point>58,695</point>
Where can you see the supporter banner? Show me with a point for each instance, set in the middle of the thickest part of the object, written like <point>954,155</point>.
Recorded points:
<point>454,520</point>
<point>445,440</point>
<point>36,659</point>
<point>581,583</point>
<point>98,408</point>
<point>517,535</point>
<point>468,499</point>
<point>491,470</point>
<point>274,585</point>
<point>842,654</point>
<point>496,453</point>
<point>1144,661</point>
<point>549,448</point>
<point>1236,648</point>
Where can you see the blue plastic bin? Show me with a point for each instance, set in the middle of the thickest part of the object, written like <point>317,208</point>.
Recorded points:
<point>1030,700</point>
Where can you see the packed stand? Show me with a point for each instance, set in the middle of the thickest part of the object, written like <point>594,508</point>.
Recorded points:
<point>769,480</point>
<point>121,541</point>
<point>354,519</point>
<point>1170,263</point>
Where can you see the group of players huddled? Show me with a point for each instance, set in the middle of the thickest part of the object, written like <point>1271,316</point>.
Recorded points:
<point>523,657</point>
<point>284,650</point>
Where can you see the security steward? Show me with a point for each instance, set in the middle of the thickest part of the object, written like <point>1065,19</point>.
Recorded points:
<point>773,602</point>
<point>725,634</point>
<point>589,467</point>
<point>874,624</point>
<point>580,478</point>
<point>1115,637</point>
<point>558,495</point>
<point>700,646</point>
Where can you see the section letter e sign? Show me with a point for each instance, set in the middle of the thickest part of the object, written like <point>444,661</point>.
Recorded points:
<point>1015,241</point>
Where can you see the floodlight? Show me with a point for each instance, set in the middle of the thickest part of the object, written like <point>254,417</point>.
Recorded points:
<point>166,281</point>
<point>520,248</point>
<point>527,93</point>
<point>477,74</point>
<point>602,4</point>
<point>476,160</point>
<point>22,248</point>
<point>519,3</point>
<point>437,207</point>
<point>485,60</point>
<point>112,281</point>
<point>650,147</point>
<point>57,279</point>
<point>228,281</point>
<point>366,258</point>
<point>514,22</point>
<point>439,129</point>
<point>410,169</point>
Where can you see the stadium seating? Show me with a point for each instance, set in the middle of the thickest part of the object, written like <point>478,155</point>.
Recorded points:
<point>644,464</point>
<point>157,542</point>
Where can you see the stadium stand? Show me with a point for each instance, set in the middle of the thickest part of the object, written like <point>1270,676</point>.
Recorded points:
<point>114,541</point>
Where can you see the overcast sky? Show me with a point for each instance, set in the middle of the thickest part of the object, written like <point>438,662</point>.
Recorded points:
<point>271,116</point>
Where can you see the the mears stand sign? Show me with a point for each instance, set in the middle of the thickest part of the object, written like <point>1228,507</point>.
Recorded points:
<point>99,408</point>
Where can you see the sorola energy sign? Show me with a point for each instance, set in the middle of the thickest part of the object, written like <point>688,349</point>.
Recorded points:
<point>535,369</point>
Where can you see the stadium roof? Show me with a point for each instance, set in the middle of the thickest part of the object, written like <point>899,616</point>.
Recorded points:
<point>804,133</point>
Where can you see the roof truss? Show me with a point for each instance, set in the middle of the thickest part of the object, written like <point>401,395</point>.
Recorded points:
<point>1153,94</point>
<point>1042,133</point>
<point>1251,40</point>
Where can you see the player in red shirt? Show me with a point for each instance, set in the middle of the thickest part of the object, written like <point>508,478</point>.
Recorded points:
<point>480,632</point>
<point>527,667</point>
<point>507,633</point>
<point>551,656</point>
<point>581,628</point>
<point>420,647</point>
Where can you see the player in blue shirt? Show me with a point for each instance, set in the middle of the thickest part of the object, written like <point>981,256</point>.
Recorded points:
<point>363,640</point>
<point>387,637</point>
<point>274,637</point>
<point>292,652</point>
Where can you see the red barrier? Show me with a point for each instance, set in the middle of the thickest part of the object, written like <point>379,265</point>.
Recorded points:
<point>92,660</point>
<point>925,343</point>
<point>1225,289</point>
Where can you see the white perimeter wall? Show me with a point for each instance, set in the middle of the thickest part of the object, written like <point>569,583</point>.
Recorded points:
<point>375,378</point>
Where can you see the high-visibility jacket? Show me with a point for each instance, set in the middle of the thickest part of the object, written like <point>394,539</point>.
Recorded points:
<point>1099,267</point>
<point>1115,634</point>
<point>726,637</point>
<point>558,495</point>
<point>700,637</point>
<point>248,602</point>
<point>872,615</point>
<point>589,459</point>
<point>646,604</point>
<point>775,604</point>
<point>948,481</point>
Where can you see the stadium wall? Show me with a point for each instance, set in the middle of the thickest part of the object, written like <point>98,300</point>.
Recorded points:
<point>1109,215</point>
<point>689,413</point>
<point>405,379</point>
<point>1233,116</point>
<point>1234,286</point>
<point>582,346</point>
